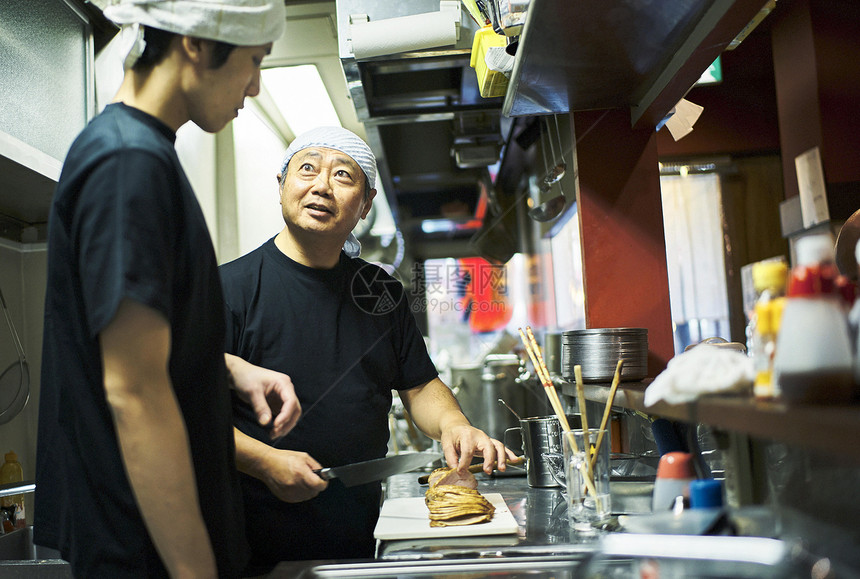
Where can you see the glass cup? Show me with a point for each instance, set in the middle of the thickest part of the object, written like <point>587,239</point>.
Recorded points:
<point>586,472</point>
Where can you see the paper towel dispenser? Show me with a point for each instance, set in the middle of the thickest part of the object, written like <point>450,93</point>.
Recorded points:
<point>366,38</point>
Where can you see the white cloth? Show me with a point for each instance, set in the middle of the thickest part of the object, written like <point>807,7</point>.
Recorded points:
<point>701,370</point>
<point>132,44</point>
<point>352,246</point>
<point>239,22</point>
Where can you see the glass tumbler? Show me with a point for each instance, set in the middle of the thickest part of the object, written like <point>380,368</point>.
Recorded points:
<point>587,478</point>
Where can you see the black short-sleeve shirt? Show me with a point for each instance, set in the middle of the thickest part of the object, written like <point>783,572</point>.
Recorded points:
<point>125,224</point>
<point>347,338</point>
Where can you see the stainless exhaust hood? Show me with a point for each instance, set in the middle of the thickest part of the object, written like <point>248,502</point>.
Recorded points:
<point>433,133</point>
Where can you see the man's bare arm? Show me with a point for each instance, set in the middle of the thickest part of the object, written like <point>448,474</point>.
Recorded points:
<point>135,352</point>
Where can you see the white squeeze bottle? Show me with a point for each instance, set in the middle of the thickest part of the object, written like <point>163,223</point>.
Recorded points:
<point>813,361</point>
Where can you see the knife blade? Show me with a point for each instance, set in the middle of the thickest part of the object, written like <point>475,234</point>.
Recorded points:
<point>377,469</point>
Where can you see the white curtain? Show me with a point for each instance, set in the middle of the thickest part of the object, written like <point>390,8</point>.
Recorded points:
<point>695,249</point>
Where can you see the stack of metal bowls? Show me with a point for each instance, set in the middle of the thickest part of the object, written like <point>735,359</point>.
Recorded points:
<point>598,350</point>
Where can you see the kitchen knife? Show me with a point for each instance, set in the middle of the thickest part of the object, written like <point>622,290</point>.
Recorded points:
<point>377,469</point>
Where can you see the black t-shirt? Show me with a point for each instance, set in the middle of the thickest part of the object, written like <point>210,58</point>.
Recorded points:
<point>125,224</point>
<point>346,337</point>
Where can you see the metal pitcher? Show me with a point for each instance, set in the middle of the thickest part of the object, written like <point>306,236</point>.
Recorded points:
<point>541,439</point>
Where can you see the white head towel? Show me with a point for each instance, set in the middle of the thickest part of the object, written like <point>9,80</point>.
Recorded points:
<point>339,139</point>
<point>239,22</point>
<point>345,141</point>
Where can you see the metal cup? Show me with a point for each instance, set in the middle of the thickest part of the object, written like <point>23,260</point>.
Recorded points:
<point>541,436</point>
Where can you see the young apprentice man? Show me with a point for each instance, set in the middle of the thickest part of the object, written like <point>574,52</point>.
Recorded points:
<point>342,330</point>
<point>135,469</point>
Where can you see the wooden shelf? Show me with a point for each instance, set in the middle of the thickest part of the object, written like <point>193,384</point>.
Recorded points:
<point>831,429</point>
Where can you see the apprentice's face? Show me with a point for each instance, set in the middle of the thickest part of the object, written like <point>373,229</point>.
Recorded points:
<point>219,93</point>
<point>323,193</point>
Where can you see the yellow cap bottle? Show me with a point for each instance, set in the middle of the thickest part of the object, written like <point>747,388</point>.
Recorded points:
<point>769,280</point>
<point>12,472</point>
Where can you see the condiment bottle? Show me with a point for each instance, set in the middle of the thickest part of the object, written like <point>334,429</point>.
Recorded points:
<point>854,319</point>
<point>769,279</point>
<point>706,493</point>
<point>674,474</point>
<point>813,360</point>
<point>11,472</point>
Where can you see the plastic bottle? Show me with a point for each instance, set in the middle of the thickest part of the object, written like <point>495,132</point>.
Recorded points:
<point>854,319</point>
<point>11,472</point>
<point>706,494</point>
<point>813,360</point>
<point>769,279</point>
<point>674,475</point>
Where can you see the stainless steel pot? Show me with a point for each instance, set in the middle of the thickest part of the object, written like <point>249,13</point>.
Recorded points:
<point>479,388</point>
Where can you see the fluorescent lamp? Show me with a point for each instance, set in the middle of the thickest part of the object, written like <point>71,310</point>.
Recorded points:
<point>438,226</point>
<point>301,96</point>
<point>303,101</point>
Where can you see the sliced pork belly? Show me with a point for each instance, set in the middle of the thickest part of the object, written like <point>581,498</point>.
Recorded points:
<point>450,476</point>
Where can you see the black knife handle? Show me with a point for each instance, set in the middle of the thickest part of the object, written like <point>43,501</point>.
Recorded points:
<point>325,473</point>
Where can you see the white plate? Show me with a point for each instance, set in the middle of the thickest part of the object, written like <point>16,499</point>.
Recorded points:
<point>408,518</point>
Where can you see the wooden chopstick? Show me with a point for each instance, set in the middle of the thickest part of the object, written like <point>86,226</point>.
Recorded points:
<point>580,395</point>
<point>540,368</point>
<point>543,374</point>
<point>583,415</point>
<point>616,378</point>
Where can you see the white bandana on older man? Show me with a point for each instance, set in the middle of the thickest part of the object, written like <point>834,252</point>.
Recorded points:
<point>347,142</point>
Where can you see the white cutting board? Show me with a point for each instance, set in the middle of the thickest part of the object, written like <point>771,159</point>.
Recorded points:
<point>408,518</point>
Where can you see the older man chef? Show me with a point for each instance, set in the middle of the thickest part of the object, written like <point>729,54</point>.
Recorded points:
<point>135,469</point>
<point>342,330</point>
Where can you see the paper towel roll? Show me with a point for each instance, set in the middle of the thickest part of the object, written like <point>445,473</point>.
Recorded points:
<point>403,34</point>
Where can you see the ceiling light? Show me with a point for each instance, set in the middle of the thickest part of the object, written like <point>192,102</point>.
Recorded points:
<point>301,96</point>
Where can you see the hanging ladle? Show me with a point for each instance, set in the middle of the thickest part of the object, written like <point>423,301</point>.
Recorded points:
<point>555,174</point>
<point>514,412</point>
<point>15,380</point>
<point>551,208</point>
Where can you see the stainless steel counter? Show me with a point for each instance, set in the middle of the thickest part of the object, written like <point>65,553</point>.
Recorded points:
<point>541,515</point>
<point>544,547</point>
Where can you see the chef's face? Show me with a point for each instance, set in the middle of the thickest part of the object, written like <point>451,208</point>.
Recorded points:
<point>324,192</point>
<point>217,94</point>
